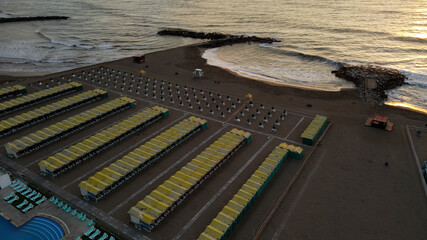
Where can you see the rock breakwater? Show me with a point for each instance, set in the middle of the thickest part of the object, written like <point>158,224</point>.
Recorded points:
<point>28,19</point>
<point>372,81</point>
<point>216,39</point>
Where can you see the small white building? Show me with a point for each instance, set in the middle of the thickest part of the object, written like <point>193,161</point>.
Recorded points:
<point>4,180</point>
<point>198,73</point>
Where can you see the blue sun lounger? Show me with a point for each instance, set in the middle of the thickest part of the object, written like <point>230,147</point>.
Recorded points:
<point>35,197</point>
<point>97,232</point>
<point>88,232</point>
<point>104,236</point>
<point>27,191</point>
<point>9,196</point>
<point>27,208</point>
<point>112,238</point>
<point>13,199</point>
<point>15,183</point>
<point>21,187</point>
<point>32,194</point>
<point>17,186</point>
<point>22,204</point>
<point>41,200</point>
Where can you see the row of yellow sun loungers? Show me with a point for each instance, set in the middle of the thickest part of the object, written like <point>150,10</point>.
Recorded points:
<point>32,117</point>
<point>38,97</point>
<point>12,91</point>
<point>59,130</point>
<point>109,178</point>
<point>151,210</point>
<point>74,155</point>
<point>236,208</point>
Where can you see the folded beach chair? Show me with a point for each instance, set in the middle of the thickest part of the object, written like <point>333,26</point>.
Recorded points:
<point>52,199</point>
<point>112,238</point>
<point>73,213</point>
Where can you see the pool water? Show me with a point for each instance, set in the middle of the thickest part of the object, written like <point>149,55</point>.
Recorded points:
<point>38,228</point>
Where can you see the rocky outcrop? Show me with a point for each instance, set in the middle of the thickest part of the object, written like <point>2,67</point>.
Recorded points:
<point>217,39</point>
<point>27,19</point>
<point>384,78</point>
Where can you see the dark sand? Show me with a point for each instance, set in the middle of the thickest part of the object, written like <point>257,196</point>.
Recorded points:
<point>344,192</point>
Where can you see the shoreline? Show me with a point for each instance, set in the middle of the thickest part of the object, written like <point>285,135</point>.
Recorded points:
<point>276,83</point>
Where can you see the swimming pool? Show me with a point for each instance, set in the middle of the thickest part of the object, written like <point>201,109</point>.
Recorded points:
<point>38,228</point>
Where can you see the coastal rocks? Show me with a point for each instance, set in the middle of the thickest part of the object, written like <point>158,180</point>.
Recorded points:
<point>371,81</point>
<point>27,19</point>
<point>217,39</point>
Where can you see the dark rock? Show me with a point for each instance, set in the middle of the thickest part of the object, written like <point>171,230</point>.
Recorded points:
<point>27,19</point>
<point>217,39</point>
<point>385,79</point>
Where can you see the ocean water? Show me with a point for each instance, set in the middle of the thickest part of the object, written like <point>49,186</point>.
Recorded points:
<point>317,37</point>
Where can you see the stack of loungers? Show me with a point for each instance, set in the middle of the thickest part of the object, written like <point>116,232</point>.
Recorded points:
<point>117,173</point>
<point>59,130</point>
<point>151,210</point>
<point>83,150</point>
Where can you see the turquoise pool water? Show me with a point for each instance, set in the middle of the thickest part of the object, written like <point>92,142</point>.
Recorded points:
<point>38,228</point>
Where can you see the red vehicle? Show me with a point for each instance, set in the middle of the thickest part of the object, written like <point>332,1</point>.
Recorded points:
<point>379,121</point>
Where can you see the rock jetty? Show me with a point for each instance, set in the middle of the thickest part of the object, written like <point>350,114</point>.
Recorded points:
<point>217,39</point>
<point>27,19</point>
<point>372,81</point>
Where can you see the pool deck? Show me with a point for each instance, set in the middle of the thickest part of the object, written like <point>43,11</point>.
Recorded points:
<point>71,225</point>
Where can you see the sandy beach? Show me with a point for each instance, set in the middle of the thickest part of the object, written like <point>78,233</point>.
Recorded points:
<point>345,191</point>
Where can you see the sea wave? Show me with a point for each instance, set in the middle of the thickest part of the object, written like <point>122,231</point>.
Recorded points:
<point>102,46</point>
<point>410,39</point>
<point>292,53</point>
